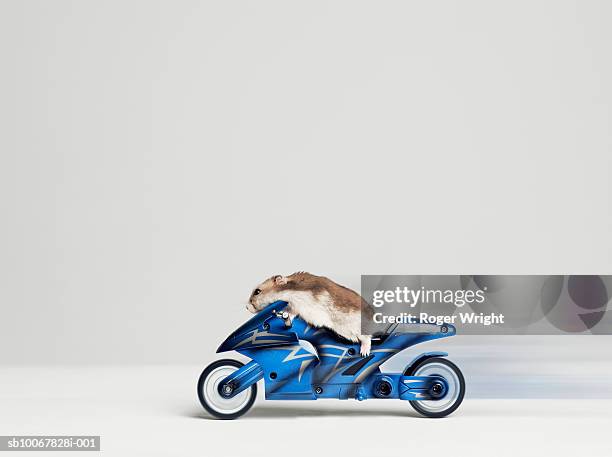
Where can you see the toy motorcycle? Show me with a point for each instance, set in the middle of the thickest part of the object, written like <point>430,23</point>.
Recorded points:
<point>300,362</point>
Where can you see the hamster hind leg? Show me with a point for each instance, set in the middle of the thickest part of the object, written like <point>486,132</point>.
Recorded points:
<point>366,345</point>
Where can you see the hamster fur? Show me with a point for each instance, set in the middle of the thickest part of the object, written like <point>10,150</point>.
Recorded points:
<point>319,301</point>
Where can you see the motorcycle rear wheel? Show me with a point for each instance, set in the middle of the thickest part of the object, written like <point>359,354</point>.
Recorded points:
<point>437,366</point>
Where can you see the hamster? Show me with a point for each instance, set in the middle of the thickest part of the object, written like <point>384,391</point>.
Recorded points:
<point>319,301</point>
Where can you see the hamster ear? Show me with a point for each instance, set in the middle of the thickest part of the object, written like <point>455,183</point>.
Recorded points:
<point>280,280</point>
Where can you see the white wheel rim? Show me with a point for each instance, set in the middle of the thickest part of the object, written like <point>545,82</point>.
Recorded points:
<point>210,392</point>
<point>453,387</point>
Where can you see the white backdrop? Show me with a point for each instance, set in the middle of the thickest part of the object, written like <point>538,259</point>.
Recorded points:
<point>158,159</point>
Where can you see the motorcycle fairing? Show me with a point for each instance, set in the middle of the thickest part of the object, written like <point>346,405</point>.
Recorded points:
<point>256,333</point>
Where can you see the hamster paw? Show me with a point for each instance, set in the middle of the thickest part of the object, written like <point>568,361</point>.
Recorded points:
<point>364,350</point>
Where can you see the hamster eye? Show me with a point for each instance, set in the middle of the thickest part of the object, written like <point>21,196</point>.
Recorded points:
<point>256,291</point>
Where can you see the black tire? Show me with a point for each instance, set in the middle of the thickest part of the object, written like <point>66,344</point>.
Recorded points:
<point>418,406</point>
<point>252,391</point>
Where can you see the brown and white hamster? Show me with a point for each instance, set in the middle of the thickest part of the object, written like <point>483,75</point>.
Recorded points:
<point>319,301</point>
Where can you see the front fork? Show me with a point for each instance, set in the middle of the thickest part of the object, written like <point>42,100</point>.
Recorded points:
<point>241,379</point>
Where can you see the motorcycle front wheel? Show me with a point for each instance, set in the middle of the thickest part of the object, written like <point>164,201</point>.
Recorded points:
<point>212,400</point>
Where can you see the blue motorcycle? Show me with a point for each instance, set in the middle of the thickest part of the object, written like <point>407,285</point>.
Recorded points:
<point>300,362</point>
